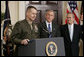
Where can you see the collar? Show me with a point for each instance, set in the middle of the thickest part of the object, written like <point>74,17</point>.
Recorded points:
<point>48,22</point>
<point>70,24</point>
<point>29,21</point>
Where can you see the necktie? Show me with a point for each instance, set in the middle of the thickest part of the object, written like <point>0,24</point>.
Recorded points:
<point>49,29</point>
<point>70,31</point>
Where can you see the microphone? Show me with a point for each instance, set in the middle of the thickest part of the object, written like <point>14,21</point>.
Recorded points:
<point>29,41</point>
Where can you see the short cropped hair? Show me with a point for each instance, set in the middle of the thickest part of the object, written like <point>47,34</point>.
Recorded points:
<point>29,7</point>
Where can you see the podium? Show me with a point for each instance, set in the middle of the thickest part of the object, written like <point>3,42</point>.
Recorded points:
<point>41,47</point>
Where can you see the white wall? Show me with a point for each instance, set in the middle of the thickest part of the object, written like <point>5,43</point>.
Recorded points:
<point>14,11</point>
<point>2,6</point>
<point>22,10</point>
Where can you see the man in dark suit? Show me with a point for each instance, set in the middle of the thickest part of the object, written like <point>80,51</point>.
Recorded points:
<point>49,28</point>
<point>71,33</point>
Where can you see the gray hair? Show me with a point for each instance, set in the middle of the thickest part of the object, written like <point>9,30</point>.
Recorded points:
<point>49,11</point>
<point>71,13</point>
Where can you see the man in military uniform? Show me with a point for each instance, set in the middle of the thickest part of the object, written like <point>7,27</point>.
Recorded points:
<point>26,29</point>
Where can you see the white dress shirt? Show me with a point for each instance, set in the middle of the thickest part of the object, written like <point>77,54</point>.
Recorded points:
<point>50,25</point>
<point>71,29</point>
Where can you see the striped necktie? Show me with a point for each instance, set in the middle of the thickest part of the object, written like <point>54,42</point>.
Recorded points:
<point>49,29</point>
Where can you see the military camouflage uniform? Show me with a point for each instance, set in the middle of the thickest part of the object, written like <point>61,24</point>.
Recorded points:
<point>22,30</point>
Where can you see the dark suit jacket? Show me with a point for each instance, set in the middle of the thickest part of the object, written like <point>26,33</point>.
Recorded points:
<point>44,33</point>
<point>71,48</point>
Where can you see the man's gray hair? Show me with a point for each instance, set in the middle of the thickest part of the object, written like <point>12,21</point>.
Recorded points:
<point>49,11</point>
<point>71,13</point>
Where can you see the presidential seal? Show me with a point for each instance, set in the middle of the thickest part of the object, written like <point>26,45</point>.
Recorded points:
<point>51,49</point>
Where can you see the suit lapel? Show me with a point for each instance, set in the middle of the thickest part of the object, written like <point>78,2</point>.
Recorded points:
<point>53,27</point>
<point>67,33</point>
<point>74,32</point>
<point>44,26</point>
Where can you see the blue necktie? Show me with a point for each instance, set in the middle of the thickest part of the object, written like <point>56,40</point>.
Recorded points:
<point>49,29</point>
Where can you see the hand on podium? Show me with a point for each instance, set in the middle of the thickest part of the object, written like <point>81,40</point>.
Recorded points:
<point>25,42</point>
